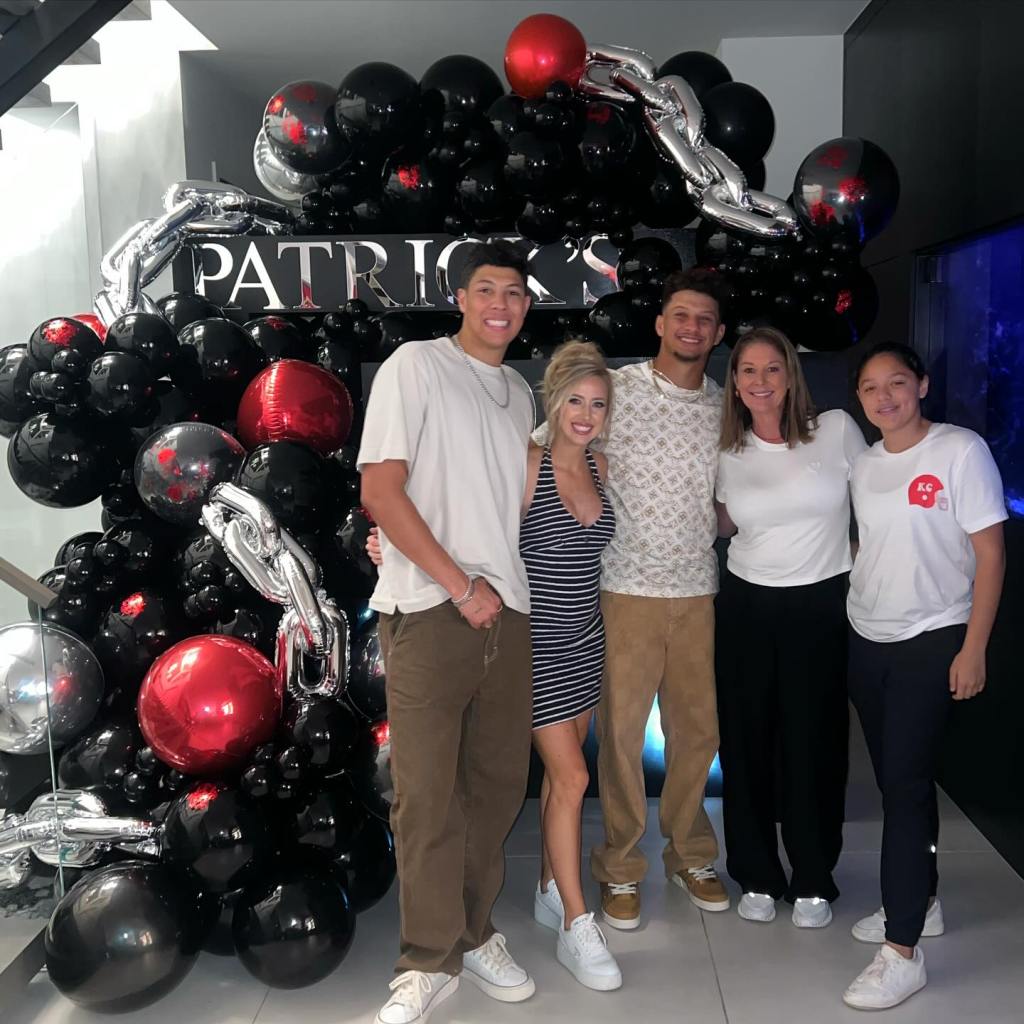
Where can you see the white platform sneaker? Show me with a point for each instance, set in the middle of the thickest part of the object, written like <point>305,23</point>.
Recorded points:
<point>547,906</point>
<point>887,981</point>
<point>872,927</point>
<point>583,951</point>
<point>491,968</point>
<point>757,906</point>
<point>414,995</point>
<point>811,912</point>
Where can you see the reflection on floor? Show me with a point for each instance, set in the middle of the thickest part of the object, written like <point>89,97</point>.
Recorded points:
<point>682,965</point>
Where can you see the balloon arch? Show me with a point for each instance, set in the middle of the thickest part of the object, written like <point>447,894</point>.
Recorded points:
<point>214,673</point>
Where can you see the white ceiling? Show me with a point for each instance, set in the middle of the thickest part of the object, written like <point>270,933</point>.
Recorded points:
<point>264,43</point>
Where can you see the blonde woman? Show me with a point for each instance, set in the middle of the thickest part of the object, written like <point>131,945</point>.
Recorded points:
<point>567,521</point>
<point>783,494</point>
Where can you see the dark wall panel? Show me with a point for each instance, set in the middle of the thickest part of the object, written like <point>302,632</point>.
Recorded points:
<point>936,83</point>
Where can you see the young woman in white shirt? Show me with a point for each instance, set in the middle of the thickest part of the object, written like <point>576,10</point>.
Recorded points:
<point>783,497</point>
<point>923,596</point>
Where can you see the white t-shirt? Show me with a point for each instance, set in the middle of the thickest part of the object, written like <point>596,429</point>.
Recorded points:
<point>467,467</point>
<point>915,509</point>
<point>791,506</point>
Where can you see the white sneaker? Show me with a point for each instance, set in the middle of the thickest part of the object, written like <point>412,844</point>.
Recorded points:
<point>887,981</point>
<point>583,950</point>
<point>547,907</point>
<point>491,968</point>
<point>872,927</point>
<point>757,906</point>
<point>414,995</point>
<point>811,912</point>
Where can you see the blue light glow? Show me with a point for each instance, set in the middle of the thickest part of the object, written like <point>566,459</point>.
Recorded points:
<point>654,747</point>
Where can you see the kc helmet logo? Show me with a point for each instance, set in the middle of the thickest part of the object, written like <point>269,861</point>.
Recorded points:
<point>924,490</point>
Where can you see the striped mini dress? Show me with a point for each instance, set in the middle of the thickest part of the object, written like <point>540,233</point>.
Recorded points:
<point>563,563</point>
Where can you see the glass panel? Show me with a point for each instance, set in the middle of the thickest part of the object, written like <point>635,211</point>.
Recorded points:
<point>975,336</point>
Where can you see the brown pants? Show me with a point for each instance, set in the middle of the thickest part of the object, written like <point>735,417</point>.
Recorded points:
<point>665,647</point>
<point>459,704</point>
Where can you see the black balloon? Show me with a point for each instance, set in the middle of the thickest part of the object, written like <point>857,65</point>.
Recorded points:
<point>484,193</point>
<point>299,125</point>
<point>146,335</point>
<point>412,194</point>
<point>102,757</point>
<point>369,863</point>
<point>16,401</point>
<point>340,357</point>
<point>64,552</point>
<point>646,263</point>
<point>326,729</point>
<point>224,358</point>
<point>217,836</point>
<point>220,941</point>
<point>505,115</point>
<point>846,188</point>
<point>294,927</point>
<point>291,479</point>
<point>167,404</point>
<point>77,611</point>
<point>181,309</point>
<point>257,626</point>
<point>123,937</point>
<point>370,774</point>
<point>534,166</point>
<point>62,334</point>
<point>326,822</point>
<point>739,121</point>
<point>366,688</point>
<point>130,549</point>
<point>663,202</point>
<point>120,384</point>
<point>465,83</point>
<point>613,314</point>
<point>135,631</point>
<point>607,142</point>
<point>61,462</point>
<point>756,175</point>
<point>378,103</point>
<point>278,338</point>
<point>701,70</point>
<point>541,222</point>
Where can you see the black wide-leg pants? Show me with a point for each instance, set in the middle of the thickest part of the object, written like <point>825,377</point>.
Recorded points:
<point>781,656</point>
<point>901,693</point>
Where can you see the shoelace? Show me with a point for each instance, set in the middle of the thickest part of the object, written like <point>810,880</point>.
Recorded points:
<point>588,934</point>
<point>704,874</point>
<point>622,888</point>
<point>409,989</point>
<point>494,954</point>
<point>876,971</point>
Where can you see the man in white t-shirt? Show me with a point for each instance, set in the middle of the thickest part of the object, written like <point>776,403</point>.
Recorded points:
<point>443,463</point>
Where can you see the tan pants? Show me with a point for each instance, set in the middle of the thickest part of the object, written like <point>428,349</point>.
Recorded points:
<point>459,704</point>
<point>665,647</point>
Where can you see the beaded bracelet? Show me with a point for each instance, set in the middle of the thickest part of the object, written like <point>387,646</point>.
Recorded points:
<point>467,596</point>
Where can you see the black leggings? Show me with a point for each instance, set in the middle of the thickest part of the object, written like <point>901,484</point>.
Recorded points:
<point>781,670</point>
<point>901,693</point>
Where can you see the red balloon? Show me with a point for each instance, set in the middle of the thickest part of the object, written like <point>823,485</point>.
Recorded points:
<point>208,702</point>
<point>544,49</point>
<point>92,321</point>
<point>295,401</point>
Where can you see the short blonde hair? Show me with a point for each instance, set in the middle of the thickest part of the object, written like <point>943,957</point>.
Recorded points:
<point>798,420</point>
<point>572,362</point>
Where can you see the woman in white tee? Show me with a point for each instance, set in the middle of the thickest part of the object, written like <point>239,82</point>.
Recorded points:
<point>923,596</point>
<point>783,489</point>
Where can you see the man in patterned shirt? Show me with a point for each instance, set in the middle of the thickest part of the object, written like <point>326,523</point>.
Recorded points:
<point>658,582</point>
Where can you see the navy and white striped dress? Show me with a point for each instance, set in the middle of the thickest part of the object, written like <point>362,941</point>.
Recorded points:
<point>563,563</point>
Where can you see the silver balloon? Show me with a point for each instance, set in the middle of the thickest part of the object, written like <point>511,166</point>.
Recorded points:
<point>40,663</point>
<point>280,181</point>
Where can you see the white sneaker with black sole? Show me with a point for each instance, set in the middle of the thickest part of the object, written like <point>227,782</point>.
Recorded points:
<point>757,906</point>
<point>583,951</point>
<point>414,995</point>
<point>887,981</point>
<point>811,912</point>
<point>491,968</point>
<point>547,907</point>
<point>872,927</point>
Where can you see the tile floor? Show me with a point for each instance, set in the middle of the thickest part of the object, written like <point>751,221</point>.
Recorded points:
<point>682,965</point>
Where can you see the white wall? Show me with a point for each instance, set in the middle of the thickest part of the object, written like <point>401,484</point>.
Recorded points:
<point>66,194</point>
<point>802,78</point>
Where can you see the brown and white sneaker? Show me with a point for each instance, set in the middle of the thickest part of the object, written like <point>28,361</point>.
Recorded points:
<point>704,887</point>
<point>620,905</point>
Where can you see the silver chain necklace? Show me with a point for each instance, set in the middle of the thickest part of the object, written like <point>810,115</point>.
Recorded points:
<point>479,379</point>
